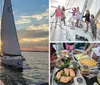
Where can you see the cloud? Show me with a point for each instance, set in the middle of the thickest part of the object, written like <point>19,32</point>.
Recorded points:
<point>23,21</point>
<point>23,33</point>
<point>0,23</point>
<point>38,27</point>
<point>33,39</point>
<point>38,17</point>
<point>30,38</point>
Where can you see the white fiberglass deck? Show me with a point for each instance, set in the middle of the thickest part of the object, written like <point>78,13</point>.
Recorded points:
<point>67,33</point>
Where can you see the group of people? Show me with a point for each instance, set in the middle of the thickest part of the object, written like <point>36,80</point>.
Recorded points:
<point>60,16</point>
<point>75,15</point>
<point>90,19</point>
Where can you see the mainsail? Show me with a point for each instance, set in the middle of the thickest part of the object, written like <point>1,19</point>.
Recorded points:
<point>10,44</point>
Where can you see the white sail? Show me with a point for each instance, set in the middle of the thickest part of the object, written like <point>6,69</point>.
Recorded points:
<point>89,4</point>
<point>10,45</point>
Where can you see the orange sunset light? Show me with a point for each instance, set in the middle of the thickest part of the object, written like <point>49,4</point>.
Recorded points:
<point>33,48</point>
<point>32,39</point>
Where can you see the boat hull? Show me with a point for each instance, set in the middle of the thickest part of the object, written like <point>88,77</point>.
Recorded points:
<point>16,62</point>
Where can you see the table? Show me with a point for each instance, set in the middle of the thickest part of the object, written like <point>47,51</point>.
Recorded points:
<point>87,80</point>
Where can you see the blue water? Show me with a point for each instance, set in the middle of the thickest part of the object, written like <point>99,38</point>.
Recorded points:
<point>35,73</point>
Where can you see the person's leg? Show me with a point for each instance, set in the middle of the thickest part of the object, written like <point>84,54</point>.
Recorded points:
<point>95,33</point>
<point>64,22</point>
<point>56,22</point>
<point>77,22</point>
<point>72,20</point>
<point>63,18</point>
<point>60,22</point>
<point>86,26</point>
<point>92,32</point>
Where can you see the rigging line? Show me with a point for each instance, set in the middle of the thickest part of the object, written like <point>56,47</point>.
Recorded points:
<point>96,7</point>
<point>68,4</point>
<point>73,3</point>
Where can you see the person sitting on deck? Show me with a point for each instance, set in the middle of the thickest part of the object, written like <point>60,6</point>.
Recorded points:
<point>93,26</point>
<point>58,13</point>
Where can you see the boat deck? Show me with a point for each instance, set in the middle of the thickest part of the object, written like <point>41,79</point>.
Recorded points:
<point>9,77</point>
<point>69,33</point>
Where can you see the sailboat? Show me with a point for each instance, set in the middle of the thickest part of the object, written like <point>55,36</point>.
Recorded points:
<point>69,33</point>
<point>11,53</point>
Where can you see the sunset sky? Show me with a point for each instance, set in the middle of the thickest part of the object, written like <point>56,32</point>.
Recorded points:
<point>31,18</point>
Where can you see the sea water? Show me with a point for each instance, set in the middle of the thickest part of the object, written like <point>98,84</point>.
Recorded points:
<point>35,72</point>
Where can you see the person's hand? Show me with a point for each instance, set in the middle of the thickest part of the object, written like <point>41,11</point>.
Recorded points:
<point>84,53</point>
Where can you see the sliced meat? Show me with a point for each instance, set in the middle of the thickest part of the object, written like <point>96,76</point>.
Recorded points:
<point>65,79</point>
<point>66,70</point>
<point>72,73</point>
<point>58,75</point>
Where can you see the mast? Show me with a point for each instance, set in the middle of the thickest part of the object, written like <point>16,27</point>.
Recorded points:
<point>9,39</point>
<point>83,10</point>
<point>98,14</point>
<point>87,6</point>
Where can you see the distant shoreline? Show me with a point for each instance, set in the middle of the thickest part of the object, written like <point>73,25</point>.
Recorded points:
<point>33,51</point>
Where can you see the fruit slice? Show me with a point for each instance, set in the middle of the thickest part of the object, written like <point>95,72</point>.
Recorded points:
<point>66,70</point>
<point>72,73</point>
<point>58,75</point>
<point>65,79</point>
